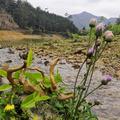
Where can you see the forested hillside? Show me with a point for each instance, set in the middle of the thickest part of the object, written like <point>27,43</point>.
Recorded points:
<point>28,17</point>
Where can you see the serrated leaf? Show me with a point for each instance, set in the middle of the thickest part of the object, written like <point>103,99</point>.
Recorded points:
<point>5,87</point>
<point>29,58</point>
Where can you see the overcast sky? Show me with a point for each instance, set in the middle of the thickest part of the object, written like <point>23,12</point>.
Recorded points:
<point>107,8</point>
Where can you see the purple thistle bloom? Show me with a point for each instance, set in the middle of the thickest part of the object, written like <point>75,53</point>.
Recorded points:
<point>99,29</point>
<point>90,52</point>
<point>108,36</point>
<point>106,79</point>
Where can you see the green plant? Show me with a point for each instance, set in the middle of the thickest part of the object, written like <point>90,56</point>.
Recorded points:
<point>30,89</point>
<point>34,86</point>
<point>78,108</point>
<point>115,28</point>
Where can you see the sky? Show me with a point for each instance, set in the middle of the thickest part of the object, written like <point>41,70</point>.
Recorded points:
<point>107,8</point>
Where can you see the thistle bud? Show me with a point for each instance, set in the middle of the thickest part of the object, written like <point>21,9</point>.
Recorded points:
<point>106,79</point>
<point>96,102</point>
<point>92,22</point>
<point>98,43</point>
<point>90,52</point>
<point>99,29</point>
<point>108,36</point>
<point>88,62</point>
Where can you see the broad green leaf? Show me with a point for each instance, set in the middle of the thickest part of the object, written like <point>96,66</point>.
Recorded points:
<point>29,58</point>
<point>3,73</point>
<point>34,78</point>
<point>42,98</point>
<point>29,101</point>
<point>5,87</point>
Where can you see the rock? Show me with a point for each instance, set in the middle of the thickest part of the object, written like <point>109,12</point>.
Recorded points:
<point>39,62</point>
<point>76,66</point>
<point>117,74</point>
<point>46,63</point>
<point>62,62</point>
<point>23,55</point>
<point>79,52</point>
<point>8,61</point>
<point>10,51</point>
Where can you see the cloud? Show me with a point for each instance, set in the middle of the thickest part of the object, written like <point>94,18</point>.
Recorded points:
<point>107,8</point>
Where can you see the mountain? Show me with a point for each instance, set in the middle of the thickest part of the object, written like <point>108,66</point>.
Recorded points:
<point>36,19</point>
<point>82,20</point>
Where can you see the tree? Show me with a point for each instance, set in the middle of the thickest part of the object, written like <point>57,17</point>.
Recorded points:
<point>118,20</point>
<point>26,16</point>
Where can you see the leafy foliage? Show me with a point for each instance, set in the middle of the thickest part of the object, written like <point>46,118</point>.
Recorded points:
<point>29,101</point>
<point>3,73</point>
<point>115,28</point>
<point>5,87</point>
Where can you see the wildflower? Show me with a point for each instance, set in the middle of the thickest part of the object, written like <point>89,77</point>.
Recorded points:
<point>35,117</point>
<point>108,36</point>
<point>92,22</point>
<point>9,107</point>
<point>99,29</point>
<point>106,79</point>
<point>90,52</point>
<point>96,102</point>
<point>98,43</point>
<point>88,62</point>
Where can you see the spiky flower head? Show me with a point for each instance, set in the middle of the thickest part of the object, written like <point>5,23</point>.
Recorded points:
<point>106,79</point>
<point>108,36</point>
<point>90,52</point>
<point>99,29</point>
<point>92,22</point>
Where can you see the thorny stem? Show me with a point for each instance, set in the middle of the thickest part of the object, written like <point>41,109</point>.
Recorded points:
<point>102,51</point>
<point>96,58</point>
<point>92,91</point>
<point>80,96</point>
<point>92,72</point>
<point>78,76</point>
<point>90,35</point>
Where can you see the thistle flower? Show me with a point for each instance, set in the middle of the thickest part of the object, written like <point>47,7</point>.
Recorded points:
<point>92,22</point>
<point>9,107</point>
<point>90,52</point>
<point>98,43</point>
<point>99,29</point>
<point>108,36</point>
<point>106,79</point>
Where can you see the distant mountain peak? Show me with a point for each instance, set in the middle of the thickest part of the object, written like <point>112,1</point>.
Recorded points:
<point>84,12</point>
<point>82,19</point>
